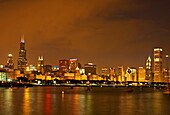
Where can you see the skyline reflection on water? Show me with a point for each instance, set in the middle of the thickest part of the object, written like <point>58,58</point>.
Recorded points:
<point>78,101</point>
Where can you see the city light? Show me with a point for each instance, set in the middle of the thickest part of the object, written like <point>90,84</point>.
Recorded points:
<point>71,69</point>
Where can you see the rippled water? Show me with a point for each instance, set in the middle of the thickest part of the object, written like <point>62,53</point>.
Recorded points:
<point>78,101</point>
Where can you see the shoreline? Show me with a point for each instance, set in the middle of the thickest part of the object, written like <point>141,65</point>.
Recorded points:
<point>13,84</point>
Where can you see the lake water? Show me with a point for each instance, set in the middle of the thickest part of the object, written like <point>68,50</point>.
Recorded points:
<point>46,100</point>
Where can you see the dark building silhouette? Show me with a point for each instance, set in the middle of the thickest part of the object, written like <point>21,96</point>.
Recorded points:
<point>22,61</point>
<point>63,66</point>
<point>90,69</point>
<point>47,69</point>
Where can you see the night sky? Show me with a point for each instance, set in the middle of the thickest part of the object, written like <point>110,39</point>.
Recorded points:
<point>105,32</point>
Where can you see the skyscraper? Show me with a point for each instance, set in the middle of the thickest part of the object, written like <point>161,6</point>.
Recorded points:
<point>10,63</point>
<point>47,69</point>
<point>104,71</point>
<point>149,69</point>
<point>90,69</point>
<point>63,66</point>
<point>22,61</point>
<point>166,70</point>
<point>158,74</point>
<point>141,74</point>
<point>40,64</point>
<point>120,74</point>
<point>73,64</point>
<point>131,74</point>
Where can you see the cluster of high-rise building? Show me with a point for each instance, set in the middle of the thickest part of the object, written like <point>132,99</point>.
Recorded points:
<point>71,69</point>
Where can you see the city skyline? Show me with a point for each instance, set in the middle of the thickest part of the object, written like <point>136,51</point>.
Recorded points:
<point>107,33</point>
<point>22,41</point>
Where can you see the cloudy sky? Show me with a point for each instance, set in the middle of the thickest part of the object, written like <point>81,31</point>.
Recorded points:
<point>105,32</point>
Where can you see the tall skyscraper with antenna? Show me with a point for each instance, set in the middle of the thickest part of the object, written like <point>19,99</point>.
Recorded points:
<point>22,61</point>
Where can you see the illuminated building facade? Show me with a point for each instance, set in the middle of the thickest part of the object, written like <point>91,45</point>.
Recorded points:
<point>149,69</point>
<point>33,67</point>
<point>112,73</point>
<point>158,73</point>
<point>121,77</point>
<point>55,68</point>
<point>82,71</point>
<point>141,74</point>
<point>166,70</point>
<point>73,64</point>
<point>40,64</point>
<point>63,66</point>
<point>22,61</point>
<point>90,69</point>
<point>77,74</point>
<point>10,63</point>
<point>3,75</point>
<point>131,74</point>
<point>104,71</point>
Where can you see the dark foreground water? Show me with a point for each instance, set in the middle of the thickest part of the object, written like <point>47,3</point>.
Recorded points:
<point>78,101</point>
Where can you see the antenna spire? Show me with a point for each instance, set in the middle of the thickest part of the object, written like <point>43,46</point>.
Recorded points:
<point>22,39</point>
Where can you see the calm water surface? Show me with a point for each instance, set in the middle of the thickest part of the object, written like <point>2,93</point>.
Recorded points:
<point>78,101</point>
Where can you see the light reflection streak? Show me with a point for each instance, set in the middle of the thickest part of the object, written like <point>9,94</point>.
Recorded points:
<point>76,99</point>
<point>8,101</point>
<point>48,102</point>
<point>82,103</point>
<point>26,102</point>
<point>89,103</point>
<point>157,103</point>
<point>62,99</point>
